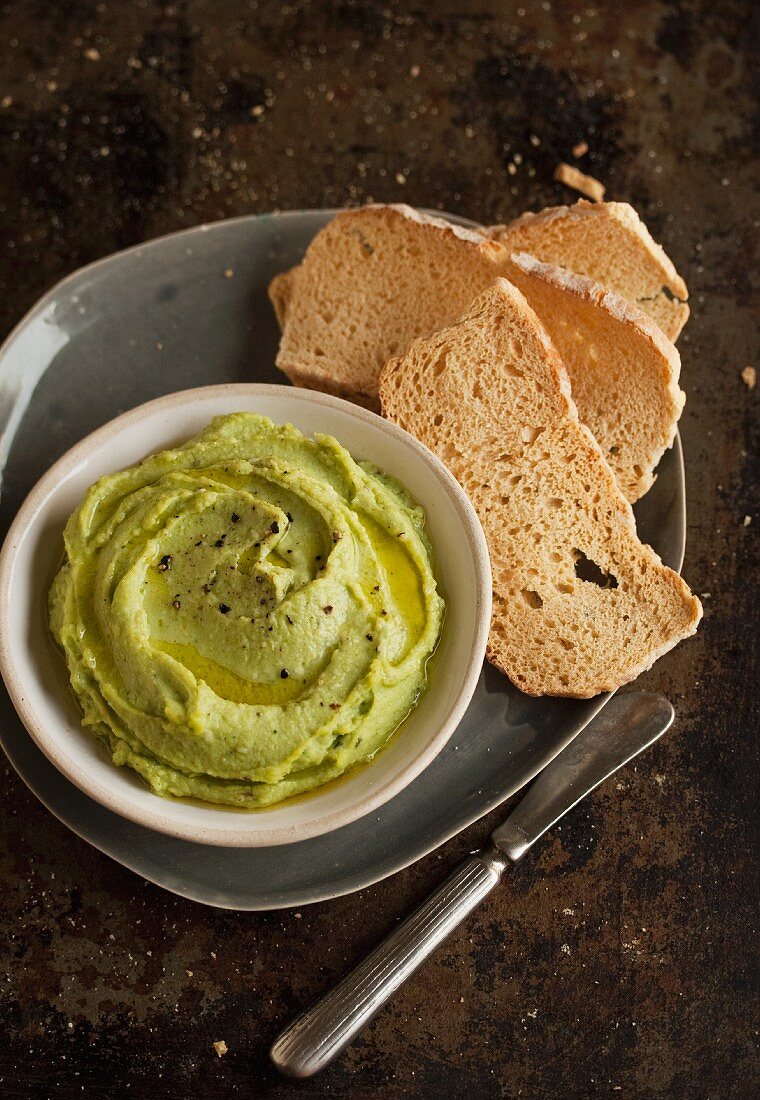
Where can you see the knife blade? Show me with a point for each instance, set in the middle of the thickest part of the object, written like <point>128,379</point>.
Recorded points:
<point>625,727</point>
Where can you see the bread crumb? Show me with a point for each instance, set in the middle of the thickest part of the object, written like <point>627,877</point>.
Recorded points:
<point>580,149</point>
<point>414,71</point>
<point>579,181</point>
<point>220,1047</point>
<point>92,54</point>
<point>749,377</point>
<point>189,973</point>
<point>400,177</point>
<point>746,521</point>
<point>6,101</point>
<point>228,274</point>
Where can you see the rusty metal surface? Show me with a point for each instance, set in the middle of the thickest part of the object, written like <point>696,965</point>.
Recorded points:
<point>622,957</point>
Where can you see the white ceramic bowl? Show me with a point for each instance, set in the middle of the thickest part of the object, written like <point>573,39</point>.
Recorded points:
<point>35,674</point>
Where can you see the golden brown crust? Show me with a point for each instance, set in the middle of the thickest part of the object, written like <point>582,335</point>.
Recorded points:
<point>608,242</point>
<point>623,369</point>
<point>280,290</point>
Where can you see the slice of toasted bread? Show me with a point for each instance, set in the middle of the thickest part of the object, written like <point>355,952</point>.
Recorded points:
<point>371,281</point>
<point>608,242</point>
<point>580,604</point>
<point>623,369</point>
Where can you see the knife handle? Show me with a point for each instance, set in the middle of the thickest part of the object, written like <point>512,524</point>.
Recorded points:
<point>320,1033</point>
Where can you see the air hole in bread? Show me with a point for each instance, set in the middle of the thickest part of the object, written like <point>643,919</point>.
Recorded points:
<point>438,420</point>
<point>439,366</point>
<point>530,435</point>
<point>532,599</point>
<point>555,502</point>
<point>588,570</point>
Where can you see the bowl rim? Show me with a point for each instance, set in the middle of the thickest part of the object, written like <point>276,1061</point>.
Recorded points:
<point>229,836</point>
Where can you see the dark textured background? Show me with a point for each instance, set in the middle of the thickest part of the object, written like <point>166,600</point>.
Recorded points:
<point>623,957</point>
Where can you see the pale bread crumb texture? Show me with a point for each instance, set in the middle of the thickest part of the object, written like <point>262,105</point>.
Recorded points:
<point>749,377</point>
<point>580,149</point>
<point>623,370</point>
<point>371,281</point>
<point>581,606</point>
<point>220,1047</point>
<point>579,181</point>
<point>607,242</point>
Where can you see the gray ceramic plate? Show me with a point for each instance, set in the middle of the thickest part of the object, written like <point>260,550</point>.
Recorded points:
<point>189,310</point>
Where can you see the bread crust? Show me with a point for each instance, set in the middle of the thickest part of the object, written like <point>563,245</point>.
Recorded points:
<point>608,242</point>
<point>623,369</point>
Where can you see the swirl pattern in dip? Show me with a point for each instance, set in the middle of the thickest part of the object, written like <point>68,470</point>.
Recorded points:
<point>247,616</point>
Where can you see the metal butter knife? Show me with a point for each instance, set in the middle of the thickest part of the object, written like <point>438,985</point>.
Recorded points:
<point>627,725</point>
